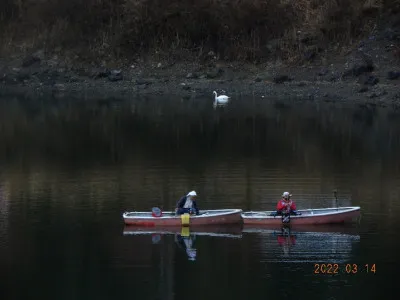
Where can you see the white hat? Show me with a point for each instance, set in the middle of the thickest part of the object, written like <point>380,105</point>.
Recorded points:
<point>286,194</point>
<point>192,193</point>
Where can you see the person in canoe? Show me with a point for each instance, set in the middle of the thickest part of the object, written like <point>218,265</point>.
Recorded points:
<point>286,206</point>
<point>187,204</point>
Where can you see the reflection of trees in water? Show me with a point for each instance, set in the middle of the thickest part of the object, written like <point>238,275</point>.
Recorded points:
<point>250,151</point>
<point>4,210</point>
<point>113,130</point>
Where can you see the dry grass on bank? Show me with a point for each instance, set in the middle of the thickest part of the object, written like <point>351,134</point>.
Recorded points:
<point>233,29</point>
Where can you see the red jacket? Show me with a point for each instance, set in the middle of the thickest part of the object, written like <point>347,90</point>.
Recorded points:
<point>282,204</point>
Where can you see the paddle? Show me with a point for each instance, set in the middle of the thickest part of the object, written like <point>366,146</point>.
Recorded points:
<point>335,193</point>
<point>285,217</point>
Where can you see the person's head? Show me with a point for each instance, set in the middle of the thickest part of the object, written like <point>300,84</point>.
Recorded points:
<point>192,195</point>
<point>286,195</point>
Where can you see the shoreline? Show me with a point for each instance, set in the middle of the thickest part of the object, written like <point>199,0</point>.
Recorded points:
<point>341,91</point>
<point>306,51</point>
<point>368,74</point>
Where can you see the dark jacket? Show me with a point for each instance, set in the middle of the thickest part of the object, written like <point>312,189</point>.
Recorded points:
<point>180,240</point>
<point>182,201</point>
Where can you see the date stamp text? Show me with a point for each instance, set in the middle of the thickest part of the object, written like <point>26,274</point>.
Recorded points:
<point>334,268</point>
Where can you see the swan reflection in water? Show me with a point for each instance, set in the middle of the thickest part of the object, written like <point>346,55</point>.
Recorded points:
<point>215,105</point>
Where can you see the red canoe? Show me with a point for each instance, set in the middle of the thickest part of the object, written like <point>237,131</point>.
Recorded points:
<point>206,217</point>
<point>307,217</point>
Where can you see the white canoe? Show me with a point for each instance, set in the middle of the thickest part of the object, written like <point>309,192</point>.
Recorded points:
<point>307,217</point>
<point>169,218</point>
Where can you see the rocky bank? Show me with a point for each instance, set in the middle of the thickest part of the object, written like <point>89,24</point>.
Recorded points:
<point>367,71</point>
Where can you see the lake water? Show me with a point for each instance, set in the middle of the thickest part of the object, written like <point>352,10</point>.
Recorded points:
<point>70,167</point>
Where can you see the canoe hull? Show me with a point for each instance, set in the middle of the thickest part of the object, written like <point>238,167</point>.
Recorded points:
<point>209,217</point>
<point>308,217</point>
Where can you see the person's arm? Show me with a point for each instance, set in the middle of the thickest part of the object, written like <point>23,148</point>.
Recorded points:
<point>280,205</point>
<point>293,206</point>
<point>181,202</point>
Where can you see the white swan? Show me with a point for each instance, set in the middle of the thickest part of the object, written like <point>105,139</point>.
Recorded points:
<point>222,99</point>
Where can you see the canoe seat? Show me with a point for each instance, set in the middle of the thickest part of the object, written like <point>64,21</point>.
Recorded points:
<point>293,213</point>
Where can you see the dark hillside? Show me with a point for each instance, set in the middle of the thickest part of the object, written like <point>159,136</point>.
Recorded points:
<point>253,30</point>
<point>313,49</point>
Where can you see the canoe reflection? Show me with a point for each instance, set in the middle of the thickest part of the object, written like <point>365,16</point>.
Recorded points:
<point>185,237</point>
<point>228,231</point>
<point>328,228</point>
<point>304,243</point>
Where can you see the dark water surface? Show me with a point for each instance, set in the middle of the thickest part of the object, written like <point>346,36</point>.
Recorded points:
<point>69,168</point>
